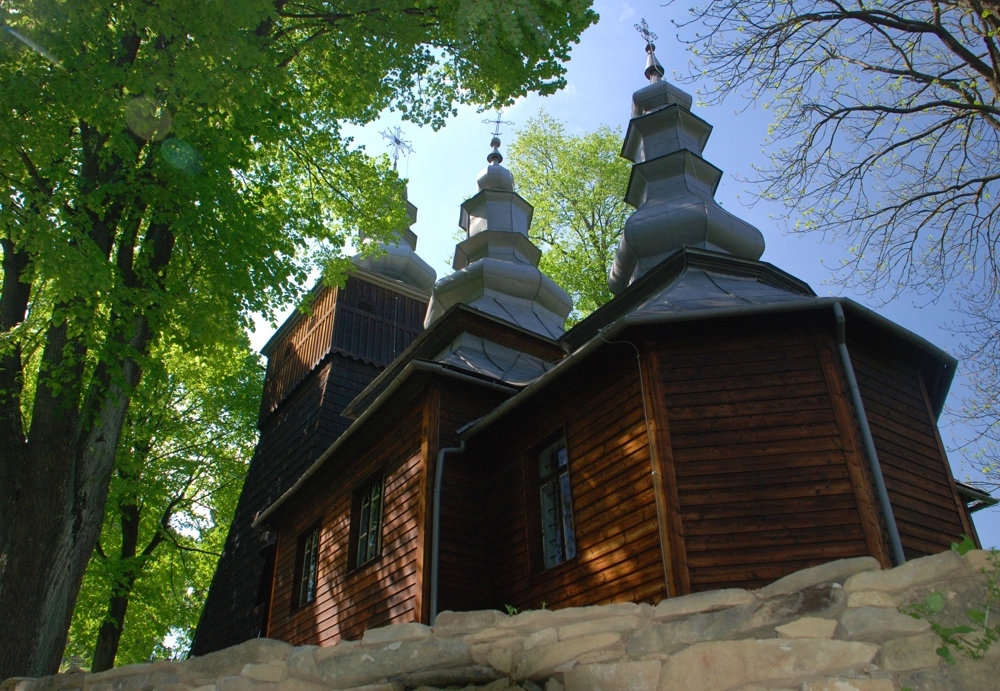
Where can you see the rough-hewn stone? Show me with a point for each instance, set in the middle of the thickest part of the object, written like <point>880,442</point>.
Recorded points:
<point>808,627</point>
<point>831,572</point>
<point>870,598</point>
<point>616,676</point>
<point>914,652</point>
<point>679,607</point>
<point>729,664</point>
<point>541,662</point>
<point>707,641</point>
<point>453,623</point>
<point>909,575</point>
<point>398,632</point>
<point>879,624</point>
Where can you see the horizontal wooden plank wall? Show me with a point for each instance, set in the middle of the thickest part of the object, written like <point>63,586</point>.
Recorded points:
<point>363,320</point>
<point>349,601</point>
<point>759,460</point>
<point>600,407</point>
<point>916,473</point>
<point>462,572</point>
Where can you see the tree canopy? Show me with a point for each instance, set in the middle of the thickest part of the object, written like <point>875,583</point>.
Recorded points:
<point>165,166</point>
<point>886,136</point>
<point>577,185</point>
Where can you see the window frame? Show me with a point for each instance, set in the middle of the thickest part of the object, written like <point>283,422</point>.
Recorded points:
<point>361,522</point>
<point>559,479</point>
<point>306,557</point>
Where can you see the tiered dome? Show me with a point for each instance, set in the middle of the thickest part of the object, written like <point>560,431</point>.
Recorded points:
<point>496,266</point>
<point>672,187</point>
<point>400,260</point>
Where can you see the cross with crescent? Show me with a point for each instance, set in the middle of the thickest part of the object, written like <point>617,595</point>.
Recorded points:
<point>643,29</point>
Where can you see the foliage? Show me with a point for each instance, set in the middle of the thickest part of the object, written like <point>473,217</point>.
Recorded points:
<point>975,638</point>
<point>187,442</point>
<point>576,184</point>
<point>165,168</point>
<point>887,136</point>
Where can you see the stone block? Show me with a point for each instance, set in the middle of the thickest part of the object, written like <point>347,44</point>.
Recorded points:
<point>731,664</point>
<point>877,624</point>
<point>808,627</point>
<point>831,572</point>
<point>616,676</point>
<point>327,651</point>
<point>542,662</point>
<point>849,684</point>
<point>614,654</point>
<point>264,672</point>
<point>453,623</point>
<point>481,651</point>
<point>490,634</point>
<point>500,659</point>
<point>660,640</point>
<point>910,575</point>
<point>230,662</point>
<point>543,637</point>
<point>453,676</point>
<point>588,628</point>
<point>535,620</point>
<point>680,607</point>
<point>396,632</point>
<point>914,652</point>
<point>369,665</point>
<point>302,661</point>
<point>979,559</point>
<point>870,598</point>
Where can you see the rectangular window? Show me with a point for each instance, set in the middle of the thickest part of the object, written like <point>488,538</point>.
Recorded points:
<point>307,558</point>
<point>556,505</point>
<point>368,543</point>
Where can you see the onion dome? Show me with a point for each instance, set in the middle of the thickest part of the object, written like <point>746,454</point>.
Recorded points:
<point>399,260</point>
<point>496,266</point>
<point>672,187</point>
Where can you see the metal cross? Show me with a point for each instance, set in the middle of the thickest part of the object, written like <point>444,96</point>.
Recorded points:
<point>643,29</point>
<point>497,122</point>
<point>397,143</point>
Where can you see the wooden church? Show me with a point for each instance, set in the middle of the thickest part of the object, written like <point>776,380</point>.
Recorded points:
<point>447,446</point>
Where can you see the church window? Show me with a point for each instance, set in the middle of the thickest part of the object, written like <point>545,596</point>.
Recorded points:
<point>308,559</point>
<point>556,505</point>
<point>368,522</point>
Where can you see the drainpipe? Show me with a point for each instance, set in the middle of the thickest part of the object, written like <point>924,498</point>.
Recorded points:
<point>866,437</point>
<point>436,523</point>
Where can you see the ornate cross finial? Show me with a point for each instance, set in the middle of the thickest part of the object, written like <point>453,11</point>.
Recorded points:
<point>643,28</point>
<point>497,122</point>
<point>397,143</point>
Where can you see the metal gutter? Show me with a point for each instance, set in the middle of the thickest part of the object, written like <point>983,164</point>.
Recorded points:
<point>436,524</point>
<point>866,436</point>
<point>805,304</point>
<point>411,367</point>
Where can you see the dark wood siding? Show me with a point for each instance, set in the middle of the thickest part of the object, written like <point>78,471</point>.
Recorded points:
<point>350,600</point>
<point>759,457</point>
<point>917,476</point>
<point>308,422</point>
<point>600,410</point>
<point>462,571</point>
<point>363,320</point>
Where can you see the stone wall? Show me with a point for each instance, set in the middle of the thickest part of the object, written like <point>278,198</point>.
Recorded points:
<point>835,627</point>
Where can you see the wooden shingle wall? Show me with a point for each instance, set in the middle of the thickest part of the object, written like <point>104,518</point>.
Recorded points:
<point>763,455</point>
<point>928,513</point>
<point>362,320</point>
<point>350,600</point>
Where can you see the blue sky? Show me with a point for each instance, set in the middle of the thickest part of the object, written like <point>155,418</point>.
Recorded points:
<point>605,68</point>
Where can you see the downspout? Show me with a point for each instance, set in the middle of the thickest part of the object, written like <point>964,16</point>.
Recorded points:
<point>436,523</point>
<point>866,436</point>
